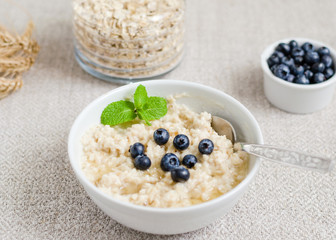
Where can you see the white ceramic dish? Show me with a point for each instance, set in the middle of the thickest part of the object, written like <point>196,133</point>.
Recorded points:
<point>292,97</point>
<point>168,220</point>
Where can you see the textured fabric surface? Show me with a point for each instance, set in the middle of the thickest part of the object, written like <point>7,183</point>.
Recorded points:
<point>40,197</point>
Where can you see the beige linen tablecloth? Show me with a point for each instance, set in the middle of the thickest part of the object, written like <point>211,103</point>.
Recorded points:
<point>40,197</point>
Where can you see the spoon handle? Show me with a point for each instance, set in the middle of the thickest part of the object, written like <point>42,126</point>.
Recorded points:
<point>290,157</point>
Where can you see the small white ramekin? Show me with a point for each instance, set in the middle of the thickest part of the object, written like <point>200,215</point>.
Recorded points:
<point>292,97</point>
<point>168,220</point>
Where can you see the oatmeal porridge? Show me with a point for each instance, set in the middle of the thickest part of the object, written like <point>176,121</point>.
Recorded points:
<point>107,163</point>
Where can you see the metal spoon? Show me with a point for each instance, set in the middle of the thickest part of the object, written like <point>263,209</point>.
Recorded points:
<point>273,153</point>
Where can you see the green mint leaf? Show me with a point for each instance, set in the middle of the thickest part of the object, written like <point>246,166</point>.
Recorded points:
<point>146,108</point>
<point>118,112</point>
<point>140,97</point>
<point>142,116</point>
<point>155,108</point>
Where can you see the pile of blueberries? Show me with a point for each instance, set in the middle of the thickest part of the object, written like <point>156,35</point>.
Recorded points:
<point>301,64</point>
<point>170,161</point>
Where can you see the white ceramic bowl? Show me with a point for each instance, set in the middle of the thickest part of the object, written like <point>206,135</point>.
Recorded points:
<point>168,220</point>
<point>292,97</point>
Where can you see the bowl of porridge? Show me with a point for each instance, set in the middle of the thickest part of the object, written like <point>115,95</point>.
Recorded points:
<point>157,199</point>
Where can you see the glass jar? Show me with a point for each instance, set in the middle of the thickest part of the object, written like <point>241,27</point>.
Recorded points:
<point>128,39</point>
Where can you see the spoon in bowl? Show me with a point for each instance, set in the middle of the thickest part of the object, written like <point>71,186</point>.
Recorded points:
<point>274,153</point>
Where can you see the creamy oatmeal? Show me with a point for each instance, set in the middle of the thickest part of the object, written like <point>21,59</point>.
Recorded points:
<point>107,163</point>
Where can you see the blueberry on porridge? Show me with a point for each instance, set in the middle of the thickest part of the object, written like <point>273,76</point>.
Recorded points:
<point>155,176</point>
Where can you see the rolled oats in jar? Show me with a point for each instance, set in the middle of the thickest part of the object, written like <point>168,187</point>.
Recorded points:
<point>128,39</point>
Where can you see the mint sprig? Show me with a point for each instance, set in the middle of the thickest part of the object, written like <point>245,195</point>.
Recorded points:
<point>146,108</point>
<point>118,112</point>
<point>140,97</point>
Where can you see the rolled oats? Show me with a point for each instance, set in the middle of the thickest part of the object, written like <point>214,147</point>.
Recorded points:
<point>129,38</point>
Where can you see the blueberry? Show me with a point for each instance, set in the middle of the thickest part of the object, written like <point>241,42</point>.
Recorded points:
<point>282,71</point>
<point>301,79</point>
<point>328,73</point>
<point>287,60</point>
<point>169,161</point>
<point>180,174</point>
<point>189,160</point>
<point>206,146</point>
<point>297,69</point>
<point>273,68</point>
<point>293,44</point>
<point>142,162</point>
<point>297,52</point>
<point>318,78</point>
<point>307,47</point>
<point>284,48</point>
<point>309,74</point>
<point>161,136</point>
<point>306,66</point>
<point>290,78</point>
<point>318,67</point>
<point>136,149</point>
<point>279,54</point>
<point>298,60</point>
<point>327,60</point>
<point>181,142</point>
<point>323,51</point>
<point>272,60</point>
<point>311,57</point>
